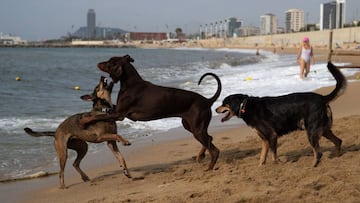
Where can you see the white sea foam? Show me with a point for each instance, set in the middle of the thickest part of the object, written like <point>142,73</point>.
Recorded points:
<point>18,124</point>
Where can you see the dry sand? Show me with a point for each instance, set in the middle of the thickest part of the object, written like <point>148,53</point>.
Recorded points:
<point>165,171</point>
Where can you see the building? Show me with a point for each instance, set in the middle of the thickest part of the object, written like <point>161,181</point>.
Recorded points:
<point>92,32</point>
<point>221,28</point>
<point>328,15</point>
<point>332,15</point>
<point>340,13</point>
<point>91,24</point>
<point>100,33</point>
<point>294,20</point>
<point>233,25</point>
<point>11,40</point>
<point>147,36</point>
<point>245,31</point>
<point>268,24</point>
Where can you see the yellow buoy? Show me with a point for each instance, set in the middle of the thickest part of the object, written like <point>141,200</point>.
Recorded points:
<point>248,79</point>
<point>358,77</point>
<point>17,78</point>
<point>76,88</point>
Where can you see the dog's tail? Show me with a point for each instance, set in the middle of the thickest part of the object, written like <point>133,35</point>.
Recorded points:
<point>39,134</point>
<point>218,91</point>
<point>340,83</point>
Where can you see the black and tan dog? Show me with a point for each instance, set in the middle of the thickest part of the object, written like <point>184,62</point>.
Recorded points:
<point>273,117</point>
<point>70,135</point>
<point>140,100</point>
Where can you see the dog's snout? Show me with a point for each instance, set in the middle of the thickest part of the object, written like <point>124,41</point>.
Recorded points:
<point>221,109</point>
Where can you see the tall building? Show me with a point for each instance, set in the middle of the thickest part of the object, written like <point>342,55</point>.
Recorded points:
<point>294,20</point>
<point>91,24</point>
<point>233,25</point>
<point>268,24</point>
<point>340,13</point>
<point>332,15</point>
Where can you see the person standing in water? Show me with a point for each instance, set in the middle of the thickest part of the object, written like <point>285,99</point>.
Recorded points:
<point>305,57</point>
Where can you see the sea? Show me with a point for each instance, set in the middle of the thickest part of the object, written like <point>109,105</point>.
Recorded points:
<point>38,91</point>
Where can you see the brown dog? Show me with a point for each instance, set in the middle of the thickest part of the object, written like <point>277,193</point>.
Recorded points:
<point>273,117</point>
<point>140,100</point>
<point>70,135</point>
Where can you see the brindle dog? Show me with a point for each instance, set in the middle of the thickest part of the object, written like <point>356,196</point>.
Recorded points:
<point>70,135</point>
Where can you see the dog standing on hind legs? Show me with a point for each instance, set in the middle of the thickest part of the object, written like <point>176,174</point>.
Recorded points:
<point>273,117</point>
<point>140,100</point>
<point>70,135</point>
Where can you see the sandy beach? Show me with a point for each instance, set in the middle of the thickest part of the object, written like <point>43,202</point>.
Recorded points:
<point>164,170</point>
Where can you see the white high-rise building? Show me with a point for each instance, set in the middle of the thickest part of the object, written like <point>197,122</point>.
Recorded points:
<point>268,24</point>
<point>294,20</point>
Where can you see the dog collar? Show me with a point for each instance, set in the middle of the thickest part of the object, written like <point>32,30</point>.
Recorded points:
<point>106,110</point>
<point>242,107</point>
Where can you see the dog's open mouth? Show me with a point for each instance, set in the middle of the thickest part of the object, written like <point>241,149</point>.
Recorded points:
<point>226,111</point>
<point>105,84</point>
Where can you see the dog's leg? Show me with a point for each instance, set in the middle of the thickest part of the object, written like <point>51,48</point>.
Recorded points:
<point>214,153</point>
<point>273,147</point>
<point>85,120</point>
<point>264,147</point>
<point>314,141</point>
<point>206,140</point>
<point>81,148</point>
<point>112,137</point>
<point>115,150</point>
<point>201,154</point>
<point>337,141</point>
<point>264,151</point>
<point>61,149</point>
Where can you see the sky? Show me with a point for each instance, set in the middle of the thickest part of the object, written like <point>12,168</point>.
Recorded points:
<point>51,19</point>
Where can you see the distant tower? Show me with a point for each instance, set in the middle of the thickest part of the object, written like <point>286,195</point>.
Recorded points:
<point>91,24</point>
<point>332,15</point>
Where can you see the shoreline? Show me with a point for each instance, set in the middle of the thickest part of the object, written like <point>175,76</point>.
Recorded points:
<point>111,168</point>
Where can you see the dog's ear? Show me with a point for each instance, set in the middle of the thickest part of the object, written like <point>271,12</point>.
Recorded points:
<point>128,58</point>
<point>234,101</point>
<point>87,97</point>
<point>104,66</point>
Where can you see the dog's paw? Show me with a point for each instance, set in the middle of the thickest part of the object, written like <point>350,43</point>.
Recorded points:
<point>200,157</point>
<point>317,159</point>
<point>127,143</point>
<point>127,173</point>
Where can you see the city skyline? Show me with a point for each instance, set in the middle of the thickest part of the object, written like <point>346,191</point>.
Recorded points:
<point>41,19</point>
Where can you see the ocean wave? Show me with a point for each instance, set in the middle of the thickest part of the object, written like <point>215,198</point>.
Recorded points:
<point>16,124</point>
